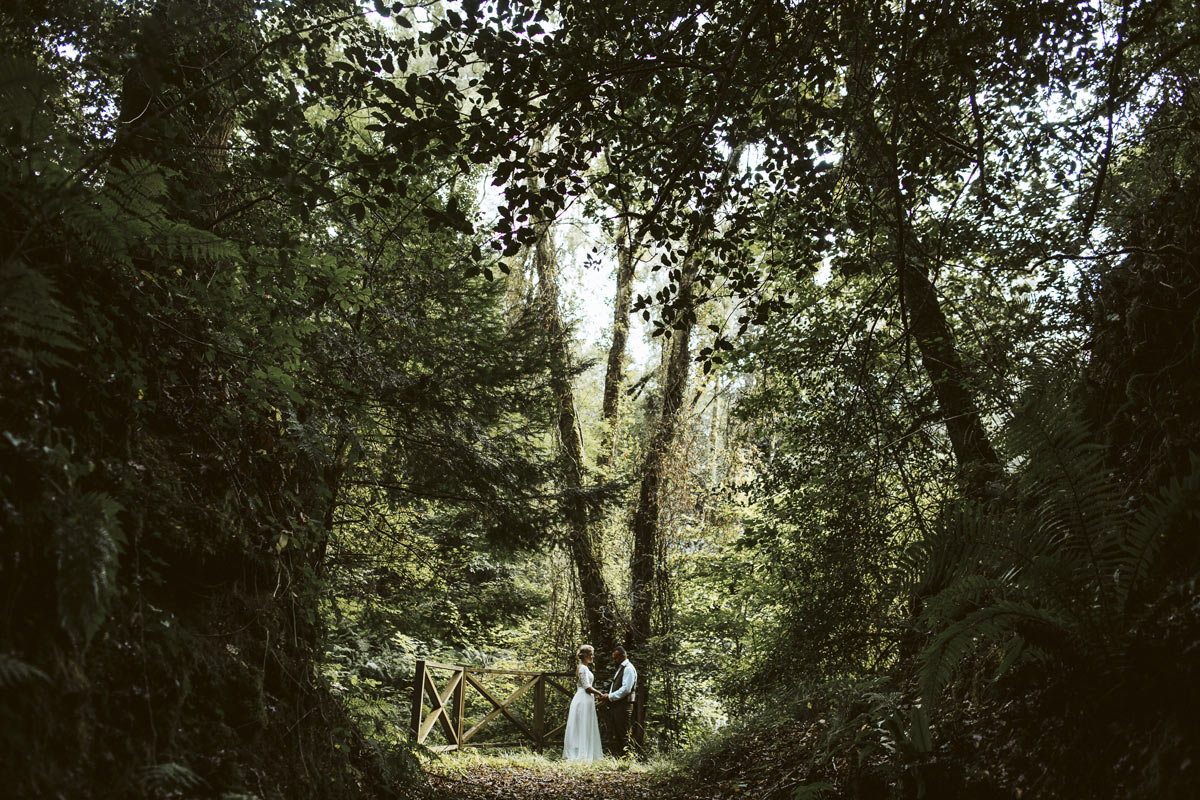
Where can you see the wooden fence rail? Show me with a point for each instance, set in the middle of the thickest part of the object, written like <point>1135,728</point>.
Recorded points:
<point>448,704</point>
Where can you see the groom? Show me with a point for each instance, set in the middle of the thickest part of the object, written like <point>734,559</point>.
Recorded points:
<point>620,697</point>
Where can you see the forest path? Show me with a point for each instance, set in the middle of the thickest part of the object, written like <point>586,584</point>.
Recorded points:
<point>502,779</point>
<point>512,782</point>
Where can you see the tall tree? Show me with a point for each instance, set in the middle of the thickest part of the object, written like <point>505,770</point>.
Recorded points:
<point>644,559</point>
<point>614,374</point>
<point>227,322</point>
<point>913,117</point>
<point>872,158</point>
<point>582,541</point>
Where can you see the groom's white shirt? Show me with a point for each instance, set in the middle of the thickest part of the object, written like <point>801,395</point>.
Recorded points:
<point>628,677</point>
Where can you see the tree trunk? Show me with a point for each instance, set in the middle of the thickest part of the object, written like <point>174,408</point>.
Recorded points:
<point>874,156</point>
<point>614,376</point>
<point>977,460</point>
<point>643,561</point>
<point>598,604</point>
<point>177,107</point>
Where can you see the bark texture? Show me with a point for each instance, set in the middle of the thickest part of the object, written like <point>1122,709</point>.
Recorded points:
<point>643,563</point>
<point>598,605</point>
<point>178,102</point>
<point>614,375</point>
<point>873,161</point>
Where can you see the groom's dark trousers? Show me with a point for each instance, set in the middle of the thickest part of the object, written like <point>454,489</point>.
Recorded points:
<point>620,715</point>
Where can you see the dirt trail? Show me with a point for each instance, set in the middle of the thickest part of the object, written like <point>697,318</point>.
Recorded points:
<point>509,782</point>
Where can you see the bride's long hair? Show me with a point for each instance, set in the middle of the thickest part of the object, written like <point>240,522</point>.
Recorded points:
<point>584,651</point>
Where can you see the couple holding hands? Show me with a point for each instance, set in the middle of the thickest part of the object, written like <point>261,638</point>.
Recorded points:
<point>581,740</point>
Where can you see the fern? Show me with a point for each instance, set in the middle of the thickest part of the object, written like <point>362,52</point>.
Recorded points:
<point>22,87</point>
<point>964,595</point>
<point>1176,506</point>
<point>1077,503</point>
<point>14,672</point>
<point>997,621</point>
<point>950,553</point>
<point>169,777</point>
<point>126,218</point>
<point>1049,569</point>
<point>37,329</point>
<point>88,543</point>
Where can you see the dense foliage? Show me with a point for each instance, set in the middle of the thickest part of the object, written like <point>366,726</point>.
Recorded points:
<point>294,392</point>
<point>232,378</point>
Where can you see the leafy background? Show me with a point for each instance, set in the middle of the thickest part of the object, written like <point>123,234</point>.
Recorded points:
<point>894,492</point>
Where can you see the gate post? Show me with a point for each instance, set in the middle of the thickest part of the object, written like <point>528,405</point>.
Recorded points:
<point>639,720</point>
<point>460,697</point>
<point>539,712</point>
<point>418,695</point>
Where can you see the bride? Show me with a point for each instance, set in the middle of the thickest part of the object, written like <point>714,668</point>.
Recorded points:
<point>581,741</point>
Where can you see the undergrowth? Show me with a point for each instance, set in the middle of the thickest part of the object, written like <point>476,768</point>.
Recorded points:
<point>463,762</point>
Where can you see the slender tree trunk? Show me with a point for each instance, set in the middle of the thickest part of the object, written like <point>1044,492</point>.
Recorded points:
<point>973,450</point>
<point>614,376</point>
<point>644,559</point>
<point>599,608</point>
<point>177,109</point>
<point>714,433</point>
<point>874,156</point>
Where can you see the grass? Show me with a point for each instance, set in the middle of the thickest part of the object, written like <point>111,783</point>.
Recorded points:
<point>521,773</point>
<point>463,762</point>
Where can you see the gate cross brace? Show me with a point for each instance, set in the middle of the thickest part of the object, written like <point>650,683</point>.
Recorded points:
<point>438,701</point>
<point>500,708</point>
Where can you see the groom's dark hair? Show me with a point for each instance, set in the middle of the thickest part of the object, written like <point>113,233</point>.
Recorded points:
<point>620,650</point>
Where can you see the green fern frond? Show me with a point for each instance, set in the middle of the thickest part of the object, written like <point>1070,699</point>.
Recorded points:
<point>1077,503</point>
<point>39,328</point>
<point>999,621</point>
<point>962,596</point>
<point>88,544</point>
<point>184,242</point>
<point>138,186</point>
<point>168,777</point>
<point>927,566</point>
<point>1050,566</point>
<point>14,672</point>
<point>126,217</point>
<point>1176,506</point>
<point>22,87</point>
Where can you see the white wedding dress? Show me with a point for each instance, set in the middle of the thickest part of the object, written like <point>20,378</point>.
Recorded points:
<point>581,741</point>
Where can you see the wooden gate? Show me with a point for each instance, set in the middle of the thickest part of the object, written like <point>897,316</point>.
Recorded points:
<point>448,704</point>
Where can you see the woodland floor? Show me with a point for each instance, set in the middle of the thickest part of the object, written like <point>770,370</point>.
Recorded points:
<point>527,776</point>
<point>507,781</point>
